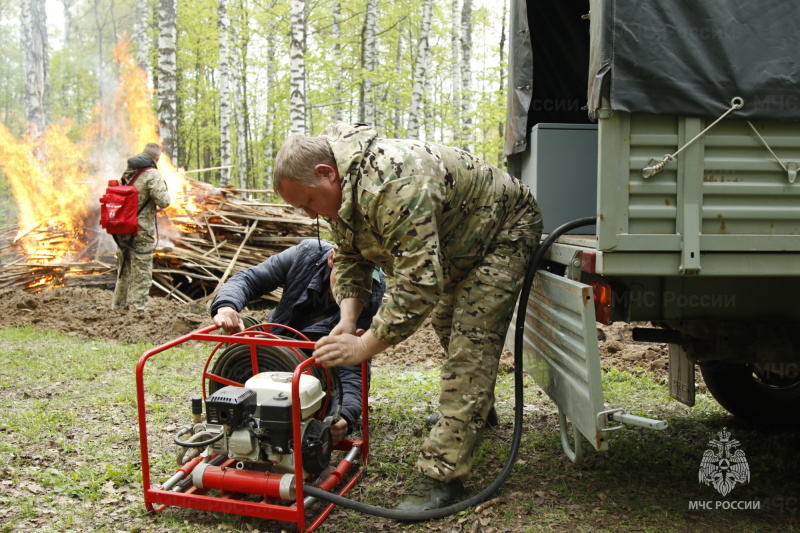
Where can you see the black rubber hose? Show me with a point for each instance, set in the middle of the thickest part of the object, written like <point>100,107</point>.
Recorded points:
<point>234,363</point>
<point>482,496</point>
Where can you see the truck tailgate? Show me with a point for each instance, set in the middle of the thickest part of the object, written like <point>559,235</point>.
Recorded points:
<point>560,351</point>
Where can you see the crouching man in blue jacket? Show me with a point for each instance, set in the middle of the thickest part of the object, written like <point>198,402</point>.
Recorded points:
<point>305,272</point>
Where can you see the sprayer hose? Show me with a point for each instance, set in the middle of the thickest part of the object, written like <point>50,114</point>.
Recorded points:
<point>482,496</point>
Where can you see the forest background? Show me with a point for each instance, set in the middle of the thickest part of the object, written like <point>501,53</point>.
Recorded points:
<point>229,80</point>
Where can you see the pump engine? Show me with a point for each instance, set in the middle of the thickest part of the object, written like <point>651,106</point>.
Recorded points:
<point>253,424</point>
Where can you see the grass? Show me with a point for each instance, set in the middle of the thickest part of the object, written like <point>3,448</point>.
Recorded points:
<point>69,451</point>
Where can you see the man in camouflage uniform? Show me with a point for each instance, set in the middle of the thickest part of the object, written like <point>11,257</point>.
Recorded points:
<point>135,254</point>
<point>455,233</point>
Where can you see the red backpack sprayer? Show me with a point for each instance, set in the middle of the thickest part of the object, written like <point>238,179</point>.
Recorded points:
<point>263,436</point>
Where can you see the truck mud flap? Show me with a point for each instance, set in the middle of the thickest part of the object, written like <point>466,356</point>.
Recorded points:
<point>560,351</point>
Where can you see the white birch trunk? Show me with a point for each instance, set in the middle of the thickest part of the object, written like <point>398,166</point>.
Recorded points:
<point>99,25</point>
<point>369,53</point>
<point>141,40</point>
<point>269,144</point>
<point>398,111</point>
<point>167,78</point>
<point>501,126</point>
<point>336,35</point>
<point>420,72</point>
<point>241,134</point>
<point>68,5</point>
<point>466,75</point>
<point>377,119</point>
<point>297,52</point>
<point>429,110</point>
<point>455,72</point>
<point>224,95</point>
<point>35,59</point>
<point>240,102</point>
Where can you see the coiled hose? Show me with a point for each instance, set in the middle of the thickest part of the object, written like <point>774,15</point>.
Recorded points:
<point>482,496</point>
<point>234,364</point>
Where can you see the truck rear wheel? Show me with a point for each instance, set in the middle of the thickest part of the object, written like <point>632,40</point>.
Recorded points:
<point>756,392</point>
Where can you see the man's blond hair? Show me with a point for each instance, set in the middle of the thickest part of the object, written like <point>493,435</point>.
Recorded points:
<point>297,158</point>
<point>153,150</point>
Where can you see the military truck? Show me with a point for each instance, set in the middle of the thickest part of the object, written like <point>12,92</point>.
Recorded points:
<point>675,126</point>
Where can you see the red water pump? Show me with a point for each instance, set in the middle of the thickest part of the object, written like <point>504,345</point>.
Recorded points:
<point>265,433</point>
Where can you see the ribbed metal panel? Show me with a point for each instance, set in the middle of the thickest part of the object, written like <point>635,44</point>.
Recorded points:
<point>560,350</point>
<point>737,185</point>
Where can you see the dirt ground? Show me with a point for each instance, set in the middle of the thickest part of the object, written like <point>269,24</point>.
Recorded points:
<point>86,312</point>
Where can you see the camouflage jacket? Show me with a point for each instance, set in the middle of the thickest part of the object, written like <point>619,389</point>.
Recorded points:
<point>150,184</point>
<point>424,212</point>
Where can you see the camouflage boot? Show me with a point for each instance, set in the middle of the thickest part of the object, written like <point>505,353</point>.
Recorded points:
<point>425,493</point>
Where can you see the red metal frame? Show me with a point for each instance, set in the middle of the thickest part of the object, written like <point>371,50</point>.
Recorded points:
<point>157,499</point>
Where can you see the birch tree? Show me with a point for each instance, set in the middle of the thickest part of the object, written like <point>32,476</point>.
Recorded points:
<point>35,60</point>
<point>455,72</point>
<point>99,24</point>
<point>369,52</point>
<point>466,75</point>
<point>224,95</point>
<point>241,115</point>
<point>241,132</point>
<point>139,38</point>
<point>398,68</point>
<point>167,78</point>
<point>420,71</point>
<point>336,35</point>
<point>68,16</point>
<point>297,51</point>
<point>269,135</point>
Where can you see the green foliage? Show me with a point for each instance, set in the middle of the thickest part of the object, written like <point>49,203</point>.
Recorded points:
<point>198,59</point>
<point>82,72</point>
<point>73,88</point>
<point>12,95</point>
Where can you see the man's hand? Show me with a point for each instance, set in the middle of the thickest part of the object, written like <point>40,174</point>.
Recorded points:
<point>346,349</point>
<point>339,350</point>
<point>339,431</point>
<point>229,320</point>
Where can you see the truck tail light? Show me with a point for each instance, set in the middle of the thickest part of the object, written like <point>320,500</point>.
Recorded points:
<point>588,262</point>
<point>602,301</point>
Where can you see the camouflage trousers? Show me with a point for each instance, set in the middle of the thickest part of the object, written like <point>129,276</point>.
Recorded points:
<point>134,273</point>
<point>471,322</point>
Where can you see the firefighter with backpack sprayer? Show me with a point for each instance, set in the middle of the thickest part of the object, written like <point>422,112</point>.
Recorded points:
<point>135,251</point>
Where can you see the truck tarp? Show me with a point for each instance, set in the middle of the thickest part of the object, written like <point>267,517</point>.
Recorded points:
<point>684,57</point>
<point>692,57</point>
<point>520,79</point>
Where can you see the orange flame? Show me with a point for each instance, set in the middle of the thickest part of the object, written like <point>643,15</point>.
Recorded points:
<point>57,182</point>
<point>46,176</point>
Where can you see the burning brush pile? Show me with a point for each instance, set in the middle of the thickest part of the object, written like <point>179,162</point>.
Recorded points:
<point>204,236</point>
<point>196,252</point>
